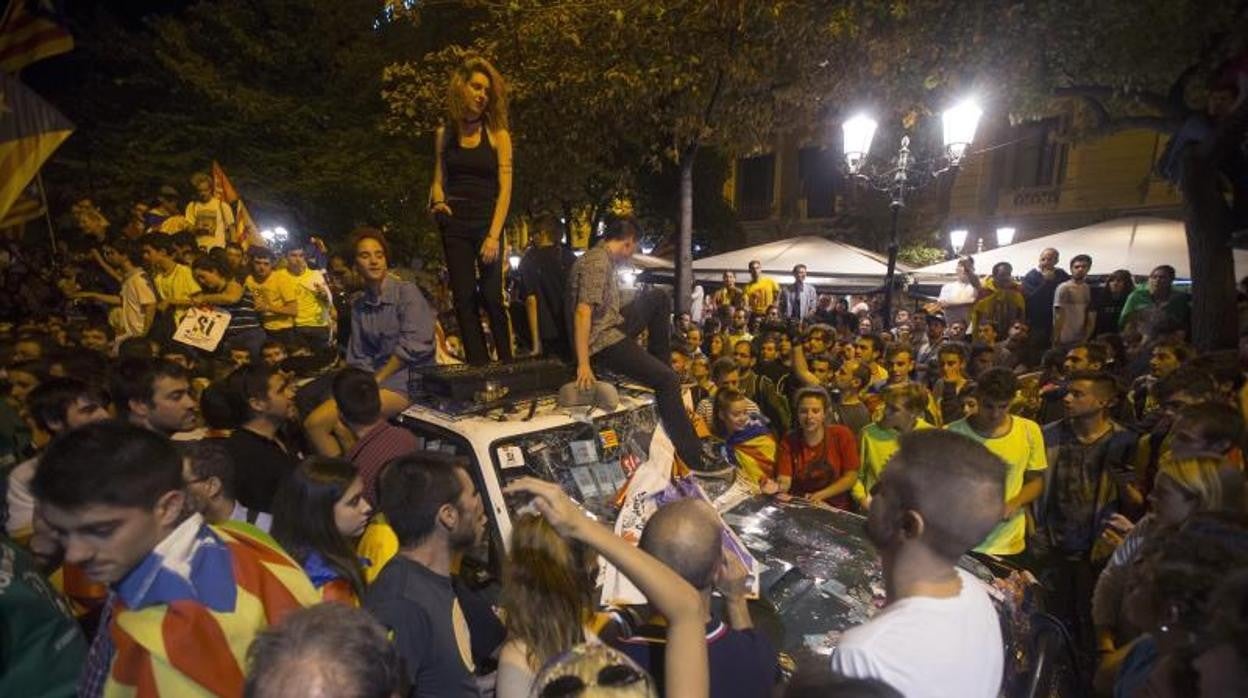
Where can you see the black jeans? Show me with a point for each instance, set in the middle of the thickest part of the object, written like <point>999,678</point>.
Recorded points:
<point>317,338</point>
<point>652,310</point>
<point>1070,580</point>
<point>474,285</point>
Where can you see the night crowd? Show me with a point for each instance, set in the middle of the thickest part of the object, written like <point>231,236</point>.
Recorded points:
<point>235,512</point>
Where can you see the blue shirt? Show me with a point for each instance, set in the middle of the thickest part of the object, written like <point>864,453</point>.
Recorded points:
<point>397,321</point>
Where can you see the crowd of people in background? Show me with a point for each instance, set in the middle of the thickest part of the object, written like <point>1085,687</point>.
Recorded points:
<point>1097,460</point>
<point>239,514</point>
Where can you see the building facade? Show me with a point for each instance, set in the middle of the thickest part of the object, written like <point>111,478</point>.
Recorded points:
<point>1033,177</point>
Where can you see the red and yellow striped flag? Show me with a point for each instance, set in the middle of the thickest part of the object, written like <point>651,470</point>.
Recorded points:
<point>30,130</point>
<point>30,30</point>
<point>189,635</point>
<point>27,207</point>
<point>246,232</point>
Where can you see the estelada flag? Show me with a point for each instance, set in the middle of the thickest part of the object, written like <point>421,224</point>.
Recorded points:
<point>28,207</point>
<point>30,130</point>
<point>245,232</point>
<point>221,187</point>
<point>31,30</point>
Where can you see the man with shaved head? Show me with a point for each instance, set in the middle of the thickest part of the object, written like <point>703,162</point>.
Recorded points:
<point>939,635</point>
<point>1040,288</point>
<point>686,536</point>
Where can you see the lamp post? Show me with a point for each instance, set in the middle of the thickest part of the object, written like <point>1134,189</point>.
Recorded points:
<point>905,173</point>
<point>957,238</point>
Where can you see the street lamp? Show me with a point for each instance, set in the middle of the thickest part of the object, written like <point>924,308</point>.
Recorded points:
<point>905,174</point>
<point>1005,235</point>
<point>960,123</point>
<point>957,238</point>
<point>858,133</point>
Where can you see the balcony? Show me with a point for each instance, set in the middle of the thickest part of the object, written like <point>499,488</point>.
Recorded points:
<point>1031,200</point>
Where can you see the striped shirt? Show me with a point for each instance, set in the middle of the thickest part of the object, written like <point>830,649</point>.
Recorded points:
<point>243,313</point>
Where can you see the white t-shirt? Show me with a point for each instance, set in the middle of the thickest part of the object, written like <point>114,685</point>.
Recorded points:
<point>956,298</point>
<point>695,303</point>
<point>21,501</point>
<point>136,292</point>
<point>923,646</point>
<point>1074,299</point>
<point>212,215</point>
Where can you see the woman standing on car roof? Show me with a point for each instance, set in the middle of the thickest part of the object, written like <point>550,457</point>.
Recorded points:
<point>469,198</point>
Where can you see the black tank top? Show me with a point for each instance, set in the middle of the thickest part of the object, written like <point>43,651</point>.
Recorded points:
<point>471,185</point>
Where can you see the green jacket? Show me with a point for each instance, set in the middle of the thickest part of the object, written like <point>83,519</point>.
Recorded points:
<point>42,650</point>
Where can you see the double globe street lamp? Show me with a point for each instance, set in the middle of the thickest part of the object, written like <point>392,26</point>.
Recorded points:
<point>905,173</point>
<point>957,238</point>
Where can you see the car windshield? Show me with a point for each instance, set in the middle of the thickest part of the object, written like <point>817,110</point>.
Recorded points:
<point>590,459</point>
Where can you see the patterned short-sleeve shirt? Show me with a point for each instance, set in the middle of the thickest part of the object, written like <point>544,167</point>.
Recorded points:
<point>594,283</point>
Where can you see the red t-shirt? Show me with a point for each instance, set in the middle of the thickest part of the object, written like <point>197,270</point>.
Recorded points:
<point>814,468</point>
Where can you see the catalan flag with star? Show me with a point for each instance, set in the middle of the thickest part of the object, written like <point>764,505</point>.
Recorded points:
<point>181,622</point>
<point>30,130</point>
<point>31,30</point>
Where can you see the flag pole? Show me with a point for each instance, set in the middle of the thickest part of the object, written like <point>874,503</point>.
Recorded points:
<point>47,215</point>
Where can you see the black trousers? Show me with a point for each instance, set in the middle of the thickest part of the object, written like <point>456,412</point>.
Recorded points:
<point>652,310</point>
<point>1070,579</point>
<point>317,340</point>
<point>476,285</point>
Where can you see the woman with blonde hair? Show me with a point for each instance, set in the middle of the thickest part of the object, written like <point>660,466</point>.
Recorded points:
<point>469,198</point>
<point>1183,487</point>
<point>548,602</point>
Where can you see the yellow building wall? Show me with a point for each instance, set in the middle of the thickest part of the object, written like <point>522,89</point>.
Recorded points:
<point>1102,176</point>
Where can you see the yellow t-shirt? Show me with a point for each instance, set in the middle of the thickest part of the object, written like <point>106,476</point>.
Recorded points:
<point>1022,449</point>
<point>312,297</point>
<point>875,447</point>
<point>278,289</point>
<point>178,284</point>
<point>760,294</point>
<point>376,547</point>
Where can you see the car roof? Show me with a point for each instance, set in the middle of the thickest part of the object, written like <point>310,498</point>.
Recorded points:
<point>523,416</point>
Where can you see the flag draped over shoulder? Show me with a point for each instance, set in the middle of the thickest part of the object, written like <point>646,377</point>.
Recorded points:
<point>753,451</point>
<point>30,130</point>
<point>245,232</point>
<point>31,30</point>
<point>186,616</point>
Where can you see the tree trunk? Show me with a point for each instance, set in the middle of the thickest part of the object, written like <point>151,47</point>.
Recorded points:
<point>683,290</point>
<point>1214,313</point>
<point>1208,222</point>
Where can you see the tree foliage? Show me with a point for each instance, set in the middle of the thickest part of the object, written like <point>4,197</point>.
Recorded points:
<point>285,94</point>
<point>610,98</point>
